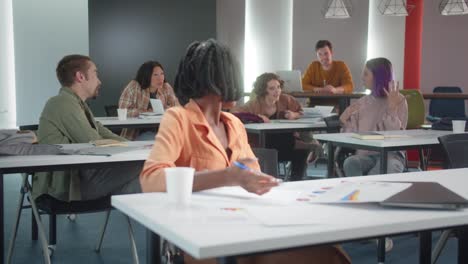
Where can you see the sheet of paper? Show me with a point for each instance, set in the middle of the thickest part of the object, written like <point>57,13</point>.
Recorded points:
<point>275,196</point>
<point>358,192</point>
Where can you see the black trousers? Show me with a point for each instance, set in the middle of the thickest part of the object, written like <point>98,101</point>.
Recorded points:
<point>284,143</point>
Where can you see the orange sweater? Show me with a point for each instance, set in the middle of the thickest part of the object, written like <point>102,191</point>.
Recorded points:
<point>185,139</point>
<point>338,75</point>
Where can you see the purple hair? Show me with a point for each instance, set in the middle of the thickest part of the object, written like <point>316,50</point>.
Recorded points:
<point>382,72</point>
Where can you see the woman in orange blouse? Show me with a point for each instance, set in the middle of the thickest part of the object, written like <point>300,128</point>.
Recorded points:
<point>150,82</point>
<point>200,135</point>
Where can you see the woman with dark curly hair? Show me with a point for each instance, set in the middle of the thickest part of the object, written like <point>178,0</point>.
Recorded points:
<point>201,135</point>
<point>149,82</point>
<point>270,103</point>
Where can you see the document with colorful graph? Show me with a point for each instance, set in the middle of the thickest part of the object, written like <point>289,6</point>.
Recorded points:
<point>360,192</point>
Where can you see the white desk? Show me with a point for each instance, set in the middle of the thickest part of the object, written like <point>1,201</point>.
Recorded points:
<point>416,139</point>
<point>30,164</point>
<point>262,129</point>
<point>203,237</point>
<point>114,122</point>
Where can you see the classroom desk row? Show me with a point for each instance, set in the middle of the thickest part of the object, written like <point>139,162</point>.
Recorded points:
<point>206,230</point>
<point>344,100</point>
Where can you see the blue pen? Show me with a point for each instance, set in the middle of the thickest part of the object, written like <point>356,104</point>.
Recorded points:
<point>241,166</point>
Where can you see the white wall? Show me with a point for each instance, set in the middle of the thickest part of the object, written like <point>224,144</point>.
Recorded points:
<point>44,32</point>
<point>230,26</point>
<point>444,49</point>
<point>268,38</point>
<point>348,36</point>
<point>7,77</point>
<point>386,38</point>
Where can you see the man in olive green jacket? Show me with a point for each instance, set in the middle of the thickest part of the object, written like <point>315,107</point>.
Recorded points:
<point>66,119</point>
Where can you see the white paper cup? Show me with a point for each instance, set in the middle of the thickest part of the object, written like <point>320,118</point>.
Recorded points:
<point>122,113</point>
<point>179,183</point>
<point>458,126</point>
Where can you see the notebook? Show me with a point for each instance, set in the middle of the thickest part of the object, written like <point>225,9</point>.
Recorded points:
<point>368,135</point>
<point>292,80</point>
<point>157,106</point>
<point>429,195</point>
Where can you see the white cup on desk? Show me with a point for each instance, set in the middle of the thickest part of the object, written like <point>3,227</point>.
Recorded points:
<point>179,183</point>
<point>458,126</point>
<point>122,113</point>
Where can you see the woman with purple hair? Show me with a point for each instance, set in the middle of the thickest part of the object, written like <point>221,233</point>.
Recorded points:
<point>384,109</point>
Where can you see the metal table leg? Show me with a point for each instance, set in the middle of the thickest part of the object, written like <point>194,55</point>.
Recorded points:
<point>331,160</point>
<point>425,246</point>
<point>153,248</point>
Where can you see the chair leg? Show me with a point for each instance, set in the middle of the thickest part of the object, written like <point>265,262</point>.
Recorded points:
<point>18,217</point>
<point>440,245</point>
<point>41,231</point>
<point>103,230</point>
<point>132,242</point>
<point>33,228</point>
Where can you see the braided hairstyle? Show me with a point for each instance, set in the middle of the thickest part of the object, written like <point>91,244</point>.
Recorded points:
<point>208,67</point>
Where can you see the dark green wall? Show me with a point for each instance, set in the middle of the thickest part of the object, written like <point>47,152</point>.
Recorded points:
<point>123,34</point>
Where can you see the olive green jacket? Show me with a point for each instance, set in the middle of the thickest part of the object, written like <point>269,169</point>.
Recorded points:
<point>66,119</point>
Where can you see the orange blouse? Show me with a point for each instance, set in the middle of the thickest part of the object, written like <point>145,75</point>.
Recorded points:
<point>185,139</point>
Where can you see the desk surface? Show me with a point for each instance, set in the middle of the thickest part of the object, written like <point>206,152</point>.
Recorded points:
<point>203,236</point>
<point>413,137</point>
<point>11,164</point>
<point>114,121</point>
<point>326,95</point>
<point>291,125</point>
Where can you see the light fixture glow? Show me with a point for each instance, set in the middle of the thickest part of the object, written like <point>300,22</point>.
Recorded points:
<point>394,8</point>
<point>453,7</point>
<point>337,9</point>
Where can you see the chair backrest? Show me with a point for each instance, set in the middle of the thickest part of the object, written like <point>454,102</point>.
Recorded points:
<point>447,107</point>
<point>455,147</point>
<point>111,110</point>
<point>332,123</point>
<point>416,110</point>
<point>268,160</point>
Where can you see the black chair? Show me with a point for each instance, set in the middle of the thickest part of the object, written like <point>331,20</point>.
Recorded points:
<point>455,149</point>
<point>268,160</point>
<point>111,110</point>
<point>46,204</point>
<point>334,126</point>
<point>439,108</point>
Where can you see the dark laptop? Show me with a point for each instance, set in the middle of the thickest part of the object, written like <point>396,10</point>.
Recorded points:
<point>430,195</point>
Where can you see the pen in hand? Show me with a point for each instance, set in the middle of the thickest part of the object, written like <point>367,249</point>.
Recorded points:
<point>242,166</point>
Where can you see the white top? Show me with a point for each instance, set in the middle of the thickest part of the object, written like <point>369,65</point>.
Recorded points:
<point>204,234</point>
<point>140,154</point>
<point>399,138</point>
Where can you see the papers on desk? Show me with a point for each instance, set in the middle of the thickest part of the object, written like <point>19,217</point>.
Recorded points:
<point>275,196</point>
<point>150,115</point>
<point>317,111</point>
<point>99,151</point>
<point>108,143</point>
<point>358,192</point>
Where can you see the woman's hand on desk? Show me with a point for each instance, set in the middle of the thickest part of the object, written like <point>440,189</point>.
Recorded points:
<point>265,119</point>
<point>290,115</point>
<point>251,180</point>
